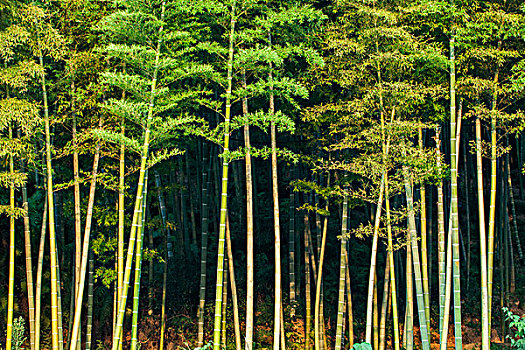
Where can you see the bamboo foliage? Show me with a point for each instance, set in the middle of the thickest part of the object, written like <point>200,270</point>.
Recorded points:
<point>150,72</point>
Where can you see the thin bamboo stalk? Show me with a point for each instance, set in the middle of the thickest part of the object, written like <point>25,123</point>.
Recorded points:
<point>392,276</point>
<point>38,284</point>
<point>342,276</point>
<point>485,337</point>
<point>308,306</point>
<point>139,196</point>
<point>224,192</point>
<point>11,283</point>
<point>29,262</point>
<point>138,269</point>
<point>85,247</point>
<point>249,227</point>
<point>384,305</point>
<point>236,322</point>
<point>89,325</point>
<point>204,251</point>
<point>373,261</point>
<point>424,255</point>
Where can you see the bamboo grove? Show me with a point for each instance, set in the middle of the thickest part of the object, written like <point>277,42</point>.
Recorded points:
<point>346,172</point>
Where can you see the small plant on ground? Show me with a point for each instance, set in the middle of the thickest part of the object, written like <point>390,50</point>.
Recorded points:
<point>517,323</point>
<point>18,333</point>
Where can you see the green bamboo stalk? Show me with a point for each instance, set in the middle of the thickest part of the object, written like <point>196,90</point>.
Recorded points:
<point>510,244</point>
<point>373,261</point>
<point>224,306</point>
<point>390,248</point>
<point>485,337</point>
<point>183,216</point>
<point>51,209</point>
<point>318,316</point>
<point>493,193</point>
<point>454,200</point>
<point>375,316</point>
<point>167,256</point>
<point>443,335</point>
<point>121,212</point>
<point>89,322</point>
<point>415,260</point>
<point>11,283</point>
<point>384,305</point>
<point>29,262</point>
<point>467,206</point>
<point>349,301</point>
<point>224,192</point>
<point>424,256</point>
<point>204,251</point>
<point>236,322</point>
<point>308,306</point>
<point>291,248</point>
<point>164,290</point>
<point>517,241</point>
<point>76,207</point>
<point>187,181</point>
<point>276,217</point>
<point>249,227</point>
<point>38,283</point>
<point>519,153</point>
<point>342,276</point>
<point>441,235</point>
<point>85,248</point>
<point>138,198</point>
<point>408,329</point>
<point>59,311</point>
<point>138,269</point>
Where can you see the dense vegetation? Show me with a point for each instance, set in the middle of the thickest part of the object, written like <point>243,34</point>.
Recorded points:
<point>294,173</point>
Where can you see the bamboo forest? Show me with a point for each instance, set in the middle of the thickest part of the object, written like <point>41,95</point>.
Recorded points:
<point>262,174</point>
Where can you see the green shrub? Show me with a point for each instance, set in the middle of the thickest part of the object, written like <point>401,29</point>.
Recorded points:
<point>518,324</point>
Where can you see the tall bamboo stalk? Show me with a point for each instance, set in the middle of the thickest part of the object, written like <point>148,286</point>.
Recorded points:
<point>89,322</point>
<point>11,283</point>
<point>38,282</point>
<point>517,241</point>
<point>342,276</point>
<point>249,227</point>
<point>51,215</point>
<point>308,306</point>
<point>441,235</point>
<point>236,322</point>
<point>76,191</point>
<point>454,200</point>
<point>485,337</point>
<point>390,248</point>
<point>415,259</point>
<point>349,305</point>
<point>138,267</point>
<point>167,255</point>
<point>121,212</point>
<point>85,247</point>
<point>204,250</point>
<point>424,256</point>
<point>408,329</point>
<point>318,318</point>
<point>140,187</point>
<point>443,335</point>
<point>29,262</point>
<point>291,248</point>
<point>224,192</point>
<point>384,304</point>
<point>373,262</point>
